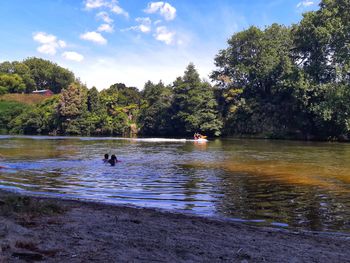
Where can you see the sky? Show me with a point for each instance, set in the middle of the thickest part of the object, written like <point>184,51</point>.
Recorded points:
<point>131,41</point>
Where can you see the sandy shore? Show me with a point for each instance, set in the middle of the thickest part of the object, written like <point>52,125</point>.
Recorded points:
<point>51,230</point>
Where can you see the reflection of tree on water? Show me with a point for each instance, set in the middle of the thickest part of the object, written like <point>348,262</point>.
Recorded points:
<point>191,189</point>
<point>249,197</point>
<point>198,188</point>
<point>32,149</point>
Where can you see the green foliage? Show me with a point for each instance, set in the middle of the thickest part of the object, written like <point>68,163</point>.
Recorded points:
<point>8,111</point>
<point>3,90</point>
<point>12,82</point>
<point>155,113</point>
<point>37,73</point>
<point>93,100</point>
<point>71,108</point>
<point>48,75</point>
<point>20,69</point>
<point>38,119</point>
<point>322,42</point>
<point>288,82</point>
<point>194,106</point>
<point>121,104</point>
<point>78,111</point>
<point>126,95</point>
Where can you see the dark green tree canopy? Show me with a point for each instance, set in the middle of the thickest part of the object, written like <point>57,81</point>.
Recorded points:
<point>284,81</point>
<point>93,100</point>
<point>48,75</point>
<point>194,105</point>
<point>155,113</point>
<point>322,42</point>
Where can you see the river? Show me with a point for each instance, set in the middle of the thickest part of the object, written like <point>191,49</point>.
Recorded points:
<point>290,184</point>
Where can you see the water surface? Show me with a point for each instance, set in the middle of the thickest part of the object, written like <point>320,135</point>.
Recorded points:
<point>279,183</point>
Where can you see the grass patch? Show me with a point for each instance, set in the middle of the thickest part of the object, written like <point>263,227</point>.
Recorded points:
<point>28,99</point>
<point>16,205</point>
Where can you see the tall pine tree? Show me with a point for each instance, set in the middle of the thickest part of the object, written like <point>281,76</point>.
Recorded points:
<point>194,105</point>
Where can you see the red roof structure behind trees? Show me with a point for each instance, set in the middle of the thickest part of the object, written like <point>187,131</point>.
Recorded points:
<point>45,92</point>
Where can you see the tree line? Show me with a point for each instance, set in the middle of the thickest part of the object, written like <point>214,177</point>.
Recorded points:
<point>277,82</point>
<point>189,104</point>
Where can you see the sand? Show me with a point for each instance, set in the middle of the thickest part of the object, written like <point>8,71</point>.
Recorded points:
<point>92,232</point>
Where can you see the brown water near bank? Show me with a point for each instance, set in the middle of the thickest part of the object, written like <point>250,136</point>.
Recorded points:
<point>285,172</point>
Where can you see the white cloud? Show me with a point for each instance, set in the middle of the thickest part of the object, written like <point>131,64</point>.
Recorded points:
<point>153,7</point>
<point>105,28</point>
<point>141,28</point>
<point>104,16</point>
<point>49,43</point>
<point>305,3</point>
<point>112,5</point>
<point>118,10</point>
<point>165,9</point>
<point>44,38</point>
<point>94,37</point>
<point>91,4</point>
<point>143,20</point>
<point>47,49</point>
<point>61,43</point>
<point>74,56</point>
<point>157,22</point>
<point>168,11</point>
<point>144,26</point>
<point>164,35</point>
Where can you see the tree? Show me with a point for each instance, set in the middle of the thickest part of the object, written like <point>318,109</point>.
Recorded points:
<point>93,100</point>
<point>322,42</point>
<point>48,75</point>
<point>194,105</point>
<point>71,107</point>
<point>12,82</point>
<point>20,69</point>
<point>262,85</point>
<point>24,72</point>
<point>9,110</point>
<point>33,119</point>
<point>323,53</point>
<point>126,95</point>
<point>122,105</point>
<point>155,116</point>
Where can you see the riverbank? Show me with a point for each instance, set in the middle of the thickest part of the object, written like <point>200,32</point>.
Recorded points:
<point>53,230</point>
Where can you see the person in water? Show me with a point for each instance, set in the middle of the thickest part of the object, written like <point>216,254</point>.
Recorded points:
<point>197,136</point>
<point>113,160</point>
<point>105,160</point>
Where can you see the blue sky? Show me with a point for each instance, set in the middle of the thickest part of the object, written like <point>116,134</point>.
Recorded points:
<point>132,41</point>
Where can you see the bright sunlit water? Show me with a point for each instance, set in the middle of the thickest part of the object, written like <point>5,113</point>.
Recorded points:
<point>279,183</point>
